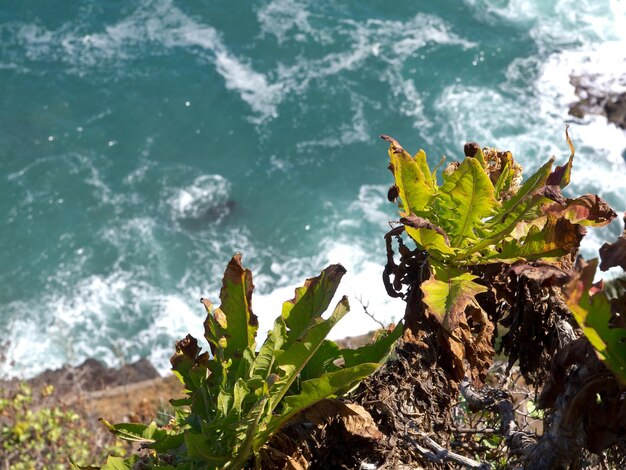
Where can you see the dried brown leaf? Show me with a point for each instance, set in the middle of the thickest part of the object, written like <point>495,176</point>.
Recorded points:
<point>589,209</point>
<point>614,254</point>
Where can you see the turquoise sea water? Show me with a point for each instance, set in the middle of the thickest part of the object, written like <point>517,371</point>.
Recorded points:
<point>143,142</point>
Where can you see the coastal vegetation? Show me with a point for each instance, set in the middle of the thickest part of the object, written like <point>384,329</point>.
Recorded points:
<point>508,355</point>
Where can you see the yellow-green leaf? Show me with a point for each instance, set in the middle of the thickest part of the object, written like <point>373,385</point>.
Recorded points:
<point>412,176</point>
<point>466,198</point>
<point>447,299</point>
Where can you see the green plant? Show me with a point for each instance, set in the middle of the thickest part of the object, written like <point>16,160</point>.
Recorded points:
<point>600,308</point>
<point>41,437</point>
<point>480,215</point>
<point>237,398</point>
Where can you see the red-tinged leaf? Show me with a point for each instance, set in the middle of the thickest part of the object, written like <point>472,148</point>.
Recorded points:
<point>588,210</point>
<point>593,311</point>
<point>614,254</point>
<point>236,308</point>
<point>545,274</point>
<point>556,238</point>
<point>561,174</point>
<point>311,300</point>
<point>447,299</point>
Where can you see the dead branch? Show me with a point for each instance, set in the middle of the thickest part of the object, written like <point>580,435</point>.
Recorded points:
<point>500,402</point>
<point>371,315</point>
<point>437,453</point>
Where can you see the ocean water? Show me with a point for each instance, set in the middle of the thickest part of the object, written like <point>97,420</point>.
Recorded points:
<point>143,142</point>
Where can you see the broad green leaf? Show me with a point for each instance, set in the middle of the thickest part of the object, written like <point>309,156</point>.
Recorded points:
<point>224,402</point>
<point>523,206</point>
<point>240,392</point>
<point>447,298</point>
<point>422,162</point>
<point>373,352</point>
<point>294,358</point>
<point>199,447</point>
<point>527,210</point>
<point>135,432</point>
<point>168,443</point>
<point>311,301</point>
<point>412,177</point>
<point>322,361</point>
<point>593,313</point>
<point>236,296</point>
<point>510,209</point>
<point>264,361</point>
<point>464,200</point>
<point>119,463</point>
<point>328,385</point>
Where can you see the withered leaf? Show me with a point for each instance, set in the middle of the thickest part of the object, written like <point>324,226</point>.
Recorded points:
<point>544,273</point>
<point>392,194</point>
<point>561,174</point>
<point>471,348</point>
<point>618,312</point>
<point>552,192</point>
<point>420,222</point>
<point>614,254</point>
<point>589,209</point>
<point>188,346</point>
<point>470,149</point>
<point>447,299</point>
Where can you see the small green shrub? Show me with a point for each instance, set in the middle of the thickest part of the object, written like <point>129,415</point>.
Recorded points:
<point>238,397</point>
<point>42,437</point>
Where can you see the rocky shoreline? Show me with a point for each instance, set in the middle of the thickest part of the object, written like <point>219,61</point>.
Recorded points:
<point>132,392</point>
<point>599,97</point>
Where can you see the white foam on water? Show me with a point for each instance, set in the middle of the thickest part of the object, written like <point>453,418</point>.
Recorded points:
<point>154,28</point>
<point>372,206</point>
<point>362,284</point>
<point>573,38</point>
<point>115,319</point>
<point>74,324</point>
<point>157,26</point>
<point>177,319</point>
<point>384,41</point>
<point>206,193</point>
<point>280,17</point>
<point>347,134</point>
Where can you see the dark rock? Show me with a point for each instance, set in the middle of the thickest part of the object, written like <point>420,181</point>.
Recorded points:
<point>599,100</point>
<point>89,376</point>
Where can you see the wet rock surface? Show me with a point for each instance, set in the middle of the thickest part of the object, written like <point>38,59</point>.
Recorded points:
<point>600,98</point>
